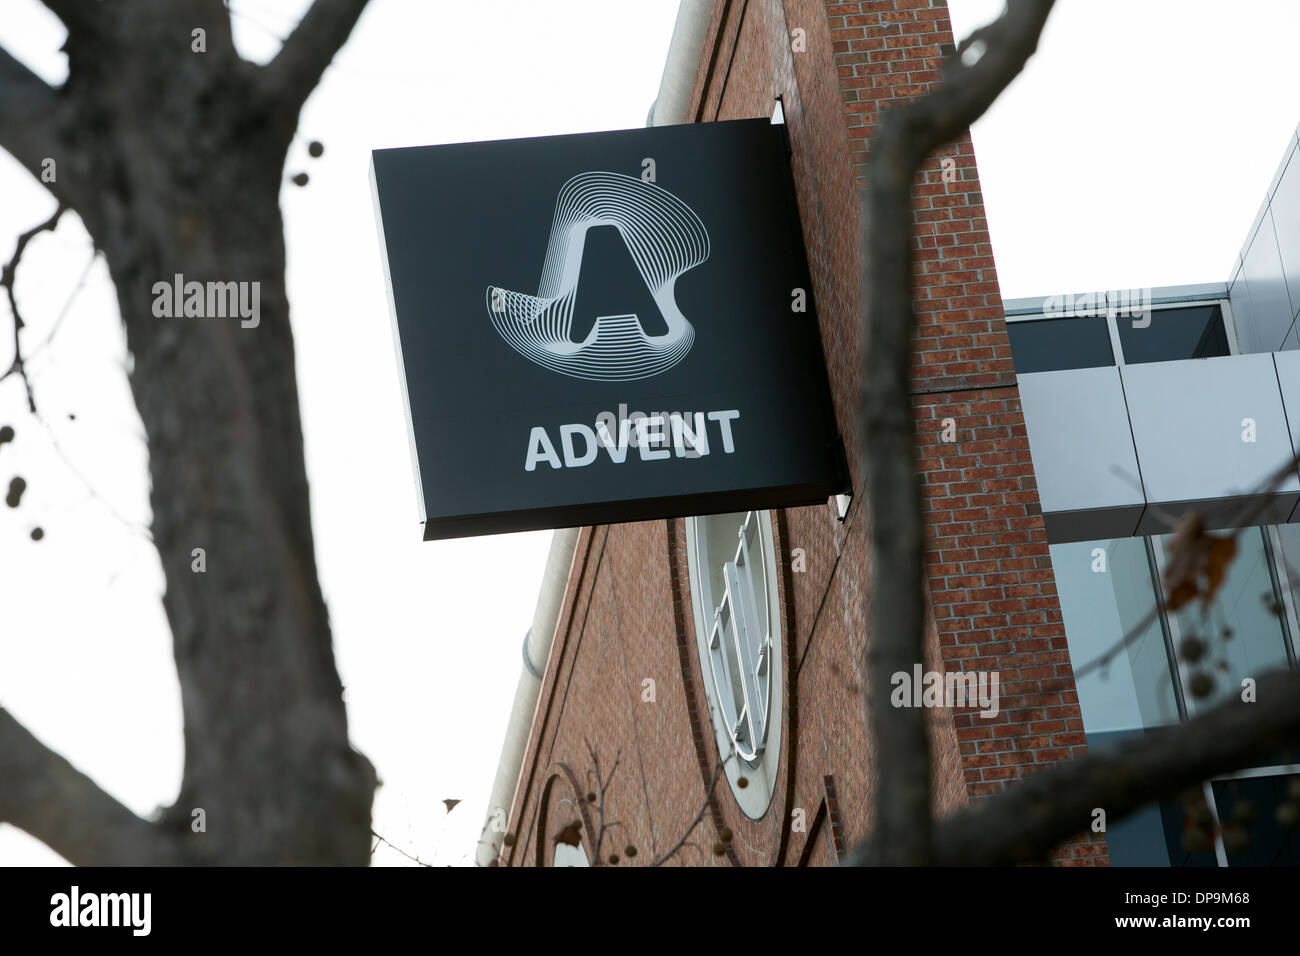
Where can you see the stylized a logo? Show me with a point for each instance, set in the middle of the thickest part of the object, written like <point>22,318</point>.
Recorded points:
<point>665,238</point>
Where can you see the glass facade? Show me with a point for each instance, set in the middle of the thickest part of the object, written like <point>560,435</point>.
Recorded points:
<point>1138,667</point>
<point>1049,345</point>
<point>1167,334</point>
<point>1175,334</point>
<point>1107,591</point>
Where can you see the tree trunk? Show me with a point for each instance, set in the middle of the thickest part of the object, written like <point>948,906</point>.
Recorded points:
<point>173,157</point>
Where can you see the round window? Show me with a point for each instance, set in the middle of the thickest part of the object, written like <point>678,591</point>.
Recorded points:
<point>732,563</point>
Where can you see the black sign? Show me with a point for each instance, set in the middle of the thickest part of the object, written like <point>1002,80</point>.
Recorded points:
<point>606,327</point>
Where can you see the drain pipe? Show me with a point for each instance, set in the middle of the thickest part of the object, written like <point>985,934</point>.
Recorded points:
<point>537,647</point>
<point>682,63</point>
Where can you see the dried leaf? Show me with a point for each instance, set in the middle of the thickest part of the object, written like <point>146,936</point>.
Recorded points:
<point>570,835</point>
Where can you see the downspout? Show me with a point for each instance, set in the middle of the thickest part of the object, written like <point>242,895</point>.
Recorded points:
<point>682,64</point>
<point>537,646</point>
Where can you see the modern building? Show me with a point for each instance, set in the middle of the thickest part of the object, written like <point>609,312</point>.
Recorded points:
<point>1061,440</point>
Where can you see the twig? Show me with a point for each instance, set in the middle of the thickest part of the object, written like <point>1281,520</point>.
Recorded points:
<point>1254,506</point>
<point>708,801</point>
<point>67,306</point>
<point>413,859</point>
<point>7,276</point>
<point>986,62</point>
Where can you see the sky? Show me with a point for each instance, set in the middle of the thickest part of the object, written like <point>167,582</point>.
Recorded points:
<point>1133,151</point>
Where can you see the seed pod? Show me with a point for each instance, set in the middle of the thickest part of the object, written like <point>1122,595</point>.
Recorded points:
<point>1201,685</point>
<point>1193,649</point>
<point>16,488</point>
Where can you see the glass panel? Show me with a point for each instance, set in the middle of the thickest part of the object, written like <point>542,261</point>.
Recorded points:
<point>1154,836</point>
<point>1048,345</point>
<point>1255,836</point>
<point>1173,334</point>
<point>717,536</point>
<point>756,565</point>
<point>1239,636</point>
<point>1287,559</point>
<point>1106,591</point>
<point>733,665</point>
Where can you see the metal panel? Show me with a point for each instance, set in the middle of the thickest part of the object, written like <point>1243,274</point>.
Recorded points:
<point>1270,306</point>
<point>1285,207</point>
<point>1292,341</point>
<point>1084,462</point>
<point>1243,318</point>
<point>1194,444</point>
<point>1288,377</point>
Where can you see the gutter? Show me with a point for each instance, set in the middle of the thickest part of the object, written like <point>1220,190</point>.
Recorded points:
<point>536,649</point>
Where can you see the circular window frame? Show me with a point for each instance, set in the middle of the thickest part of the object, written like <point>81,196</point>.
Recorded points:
<point>755,798</point>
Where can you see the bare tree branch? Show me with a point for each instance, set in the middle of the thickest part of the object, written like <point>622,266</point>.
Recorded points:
<point>30,111</point>
<point>7,278</point>
<point>298,67</point>
<point>708,802</point>
<point>45,796</point>
<point>173,161</point>
<point>77,15</point>
<point>989,60</point>
<point>602,784</point>
<point>1026,822</point>
<point>380,839</point>
<point>1191,554</point>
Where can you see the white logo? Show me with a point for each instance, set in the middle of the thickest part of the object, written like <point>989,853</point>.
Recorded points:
<point>665,237</point>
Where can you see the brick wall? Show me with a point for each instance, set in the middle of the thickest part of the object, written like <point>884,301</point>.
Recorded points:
<point>627,617</point>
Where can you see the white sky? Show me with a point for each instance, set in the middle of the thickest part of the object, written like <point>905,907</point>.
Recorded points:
<point>1134,151</point>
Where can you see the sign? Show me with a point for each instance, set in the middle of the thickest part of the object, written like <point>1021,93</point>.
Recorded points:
<point>605,327</point>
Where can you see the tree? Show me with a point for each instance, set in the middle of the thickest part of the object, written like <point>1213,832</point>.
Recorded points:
<point>170,148</point>
<point>1026,822</point>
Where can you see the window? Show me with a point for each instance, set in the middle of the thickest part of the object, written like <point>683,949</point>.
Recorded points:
<point>1243,611</point>
<point>1048,345</point>
<point>567,855</point>
<point>1165,334</point>
<point>1177,664</point>
<point>1175,334</point>
<point>1107,590</point>
<point>731,559</point>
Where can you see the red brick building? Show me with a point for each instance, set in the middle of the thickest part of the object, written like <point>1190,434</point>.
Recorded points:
<point>626,616</point>
<point>674,645</point>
